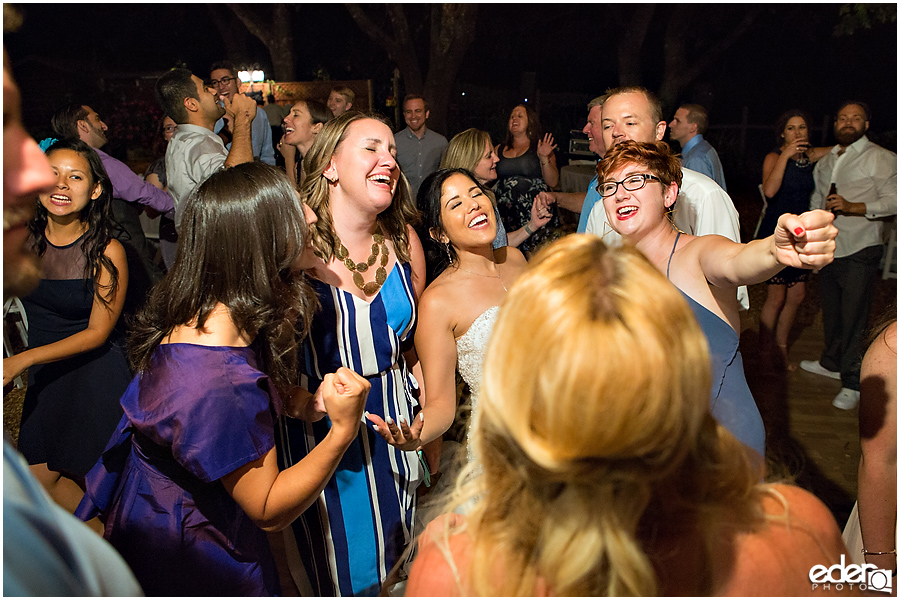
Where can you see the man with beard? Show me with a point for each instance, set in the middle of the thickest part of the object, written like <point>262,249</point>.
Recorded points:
<point>865,177</point>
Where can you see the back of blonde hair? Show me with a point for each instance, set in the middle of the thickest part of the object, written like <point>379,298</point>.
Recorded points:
<point>592,426</point>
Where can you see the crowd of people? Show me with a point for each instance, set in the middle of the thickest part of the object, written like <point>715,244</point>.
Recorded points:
<point>291,360</point>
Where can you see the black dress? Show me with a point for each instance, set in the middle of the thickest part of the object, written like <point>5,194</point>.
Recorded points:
<point>792,197</point>
<point>519,180</point>
<point>71,406</point>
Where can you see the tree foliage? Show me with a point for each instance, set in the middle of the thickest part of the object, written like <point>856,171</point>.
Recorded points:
<point>856,17</point>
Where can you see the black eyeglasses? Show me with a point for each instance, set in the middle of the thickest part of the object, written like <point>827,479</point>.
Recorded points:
<point>632,183</point>
<point>225,80</point>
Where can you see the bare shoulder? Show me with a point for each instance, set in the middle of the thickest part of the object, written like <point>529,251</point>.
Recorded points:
<point>115,250</point>
<point>802,506</point>
<point>708,244</point>
<point>510,256</point>
<point>440,295</point>
<point>415,244</point>
<point>441,561</point>
<point>797,533</point>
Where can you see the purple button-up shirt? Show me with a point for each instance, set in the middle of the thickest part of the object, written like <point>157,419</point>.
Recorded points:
<point>128,186</point>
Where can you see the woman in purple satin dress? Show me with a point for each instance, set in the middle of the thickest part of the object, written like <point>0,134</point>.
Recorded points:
<point>189,483</point>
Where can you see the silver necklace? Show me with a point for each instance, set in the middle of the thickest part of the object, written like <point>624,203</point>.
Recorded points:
<point>497,276</point>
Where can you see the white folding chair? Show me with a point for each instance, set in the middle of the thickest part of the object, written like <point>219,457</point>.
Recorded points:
<point>762,214</point>
<point>13,306</point>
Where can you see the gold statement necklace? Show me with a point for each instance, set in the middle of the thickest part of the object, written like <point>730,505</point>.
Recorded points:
<point>378,247</point>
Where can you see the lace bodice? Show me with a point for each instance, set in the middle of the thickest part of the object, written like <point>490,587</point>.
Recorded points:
<point>470,350</point>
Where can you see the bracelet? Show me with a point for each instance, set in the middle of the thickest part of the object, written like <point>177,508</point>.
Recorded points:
<point>864,551</point>
<point>528,229</point>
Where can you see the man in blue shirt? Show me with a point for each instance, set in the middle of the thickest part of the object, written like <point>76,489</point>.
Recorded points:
<point>687,128</point>
<point>223,78</point>
<point>577,201</point>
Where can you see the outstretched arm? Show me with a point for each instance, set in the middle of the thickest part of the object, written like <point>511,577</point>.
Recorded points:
<point>100,324</point>
<point>805,241</point>
<point>436,348</point>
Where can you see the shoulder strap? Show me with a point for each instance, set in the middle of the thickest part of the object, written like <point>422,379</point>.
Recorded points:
<point>672,253</point>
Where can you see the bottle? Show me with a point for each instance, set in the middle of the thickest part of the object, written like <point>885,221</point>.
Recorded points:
<point>831,191</point>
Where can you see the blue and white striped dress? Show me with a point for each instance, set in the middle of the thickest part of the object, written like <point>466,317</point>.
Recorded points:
<point>353,535</point>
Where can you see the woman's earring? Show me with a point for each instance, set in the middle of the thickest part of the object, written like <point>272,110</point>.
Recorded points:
<point>447,250</point>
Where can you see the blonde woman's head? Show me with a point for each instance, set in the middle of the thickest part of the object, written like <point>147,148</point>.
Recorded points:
<point>592,425</point>
<point>596,364</point>
<point>472,150</point>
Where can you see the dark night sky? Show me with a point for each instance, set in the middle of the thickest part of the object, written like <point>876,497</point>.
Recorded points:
<point>790,58</point>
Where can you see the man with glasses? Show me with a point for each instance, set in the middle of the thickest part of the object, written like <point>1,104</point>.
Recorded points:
<point>195,152</point>
<point>222,77</point>
<point>702,207</point>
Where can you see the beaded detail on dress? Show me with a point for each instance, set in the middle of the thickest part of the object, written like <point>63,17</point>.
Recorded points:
<point>470,351</point>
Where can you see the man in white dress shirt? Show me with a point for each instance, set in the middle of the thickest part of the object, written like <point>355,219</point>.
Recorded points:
<point>865,176</point>
<point>702,208</point>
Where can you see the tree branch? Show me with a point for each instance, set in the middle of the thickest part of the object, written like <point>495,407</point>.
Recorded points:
<point>251,21</point>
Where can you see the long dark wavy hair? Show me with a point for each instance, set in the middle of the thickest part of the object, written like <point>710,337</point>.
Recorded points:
<point>242,232</point>
<point>96,214</point>
<point>439,256</point>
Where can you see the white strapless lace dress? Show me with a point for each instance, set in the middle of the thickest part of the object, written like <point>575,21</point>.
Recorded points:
<point>470,351</point>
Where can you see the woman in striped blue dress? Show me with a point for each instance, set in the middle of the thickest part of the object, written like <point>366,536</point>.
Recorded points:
<point>371,273</point>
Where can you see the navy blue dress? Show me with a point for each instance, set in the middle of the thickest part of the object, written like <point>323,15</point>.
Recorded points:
<point>731,402</point>
<point>71,406</point>
<point>792,197</point>
<point>519,181</point>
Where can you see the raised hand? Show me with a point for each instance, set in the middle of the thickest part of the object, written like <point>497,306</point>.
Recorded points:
<point>805,241</point>
<point>792,149</point>
<point>541,213</point>
<point>344,394</point>
<point>400,435</point>
<point>546,146</point>
<point>241,104</point>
